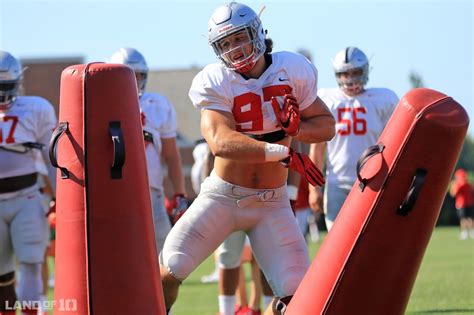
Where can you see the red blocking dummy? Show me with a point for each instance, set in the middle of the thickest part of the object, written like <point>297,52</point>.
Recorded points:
<point>369,261</point>
<point>106,259</point>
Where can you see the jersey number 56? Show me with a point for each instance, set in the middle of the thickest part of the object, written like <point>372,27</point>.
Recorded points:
<point>351,122</point>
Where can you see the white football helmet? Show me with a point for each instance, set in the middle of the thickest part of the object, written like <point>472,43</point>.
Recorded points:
<point>351,59</point>
<point>228,20</point>
<point>135,60</point>
<point>11,75</point>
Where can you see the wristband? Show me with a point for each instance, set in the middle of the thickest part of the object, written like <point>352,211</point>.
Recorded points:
<point>275,152</point>
<point>292,192</point>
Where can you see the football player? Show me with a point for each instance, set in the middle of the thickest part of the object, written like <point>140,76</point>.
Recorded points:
<point>361,115</point>
<point>159,131</point>
<point>252,104</point>
<point>26,125</point>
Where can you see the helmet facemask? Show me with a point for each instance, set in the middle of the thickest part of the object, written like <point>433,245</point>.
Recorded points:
<point>141,77</point>
<point>352,81</point>
<point>11,75</point>
<point>8,93</point>
<point>238,50</point>
<point>233,20</point>
<point>351,68</point>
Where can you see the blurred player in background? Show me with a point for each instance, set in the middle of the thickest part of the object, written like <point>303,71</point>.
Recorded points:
<point>361,115</point>
<point>251,105</point>
<point>49,202</point>
<point>303,213</point>
<point>159,130</point>
<point>198,170</point>
<point>461,190</point>
<point>26,125</point>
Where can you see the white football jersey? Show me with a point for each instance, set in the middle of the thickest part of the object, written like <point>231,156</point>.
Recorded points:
<point>359,123</point>
<point>219,88</point>
<point>29,119</point>
<point>159,119</point>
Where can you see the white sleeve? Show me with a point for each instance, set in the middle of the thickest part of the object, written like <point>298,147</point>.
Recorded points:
<point>391,102</point>
<point>168,128</point>
<point>305,79</point>
<point>210,91</point>
<point>45,125</point>
<point>46,122</point>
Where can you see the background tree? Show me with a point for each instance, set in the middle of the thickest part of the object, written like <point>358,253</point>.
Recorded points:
<point>416,80</point>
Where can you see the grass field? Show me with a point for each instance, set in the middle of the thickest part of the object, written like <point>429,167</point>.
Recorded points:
<point>445,283</point>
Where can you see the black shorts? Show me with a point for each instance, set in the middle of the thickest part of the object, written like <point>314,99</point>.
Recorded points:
<point>466,212</point>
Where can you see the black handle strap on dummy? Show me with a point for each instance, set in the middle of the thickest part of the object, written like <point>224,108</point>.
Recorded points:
<point>119,149</point>
<point>415,188</point>
<point>366,155</point>
<point>53,148</point>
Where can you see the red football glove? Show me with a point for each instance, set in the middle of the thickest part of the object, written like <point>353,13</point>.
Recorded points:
<point>288,117</point>
<point>177,207</point>
<point>302,164</point>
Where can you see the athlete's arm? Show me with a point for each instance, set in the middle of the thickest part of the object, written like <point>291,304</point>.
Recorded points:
<point>218,128</point>
<point>317,152</point>
<point>317,123</point>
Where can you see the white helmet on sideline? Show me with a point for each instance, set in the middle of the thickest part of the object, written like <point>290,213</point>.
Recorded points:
<point>135,60</point>
<point>11,75</point>
<point>351,59</point>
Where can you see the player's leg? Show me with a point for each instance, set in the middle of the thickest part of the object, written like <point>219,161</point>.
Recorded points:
<point>461,212</point>
<point>229,268</point>
<point>255,287</point>
<point>302,219</point>
<point>280,250</point>
<point>266,291</point>
<point>214,276</point>
<point>334,197</point>
<point>313,226</point>
<point>241,301</point>
<point>161,220</point>
<point>7,265</point>
<point>7,293</point>
<point>29,234</point>
<point>470,223</point>
<point>203,227</point>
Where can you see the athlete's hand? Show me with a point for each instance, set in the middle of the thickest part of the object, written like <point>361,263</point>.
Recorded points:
<point>302,164</point>
<point>315,199</point>
<point>51,214</point>
<point>177,207</point>
<point>288,116</point>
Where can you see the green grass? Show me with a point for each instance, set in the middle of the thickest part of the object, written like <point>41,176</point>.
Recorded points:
<point>445,282</point>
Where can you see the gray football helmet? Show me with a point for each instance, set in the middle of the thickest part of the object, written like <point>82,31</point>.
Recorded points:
<point>11,74</point>
<point>351,58</point>
<point>135,60</point>
<point>228,20</point>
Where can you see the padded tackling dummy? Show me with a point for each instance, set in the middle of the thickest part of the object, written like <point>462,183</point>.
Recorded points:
<point>369,261</point>
<point>106,259</point>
